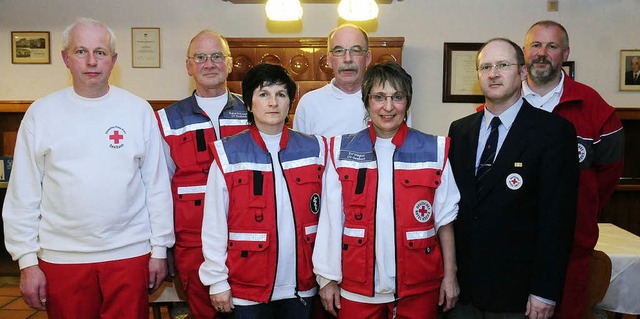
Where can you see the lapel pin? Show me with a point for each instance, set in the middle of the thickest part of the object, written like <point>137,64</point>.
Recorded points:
<point>517,164</point>
<point>514,181</point>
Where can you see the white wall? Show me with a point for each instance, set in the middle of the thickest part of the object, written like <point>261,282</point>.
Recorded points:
<point>598,29</point>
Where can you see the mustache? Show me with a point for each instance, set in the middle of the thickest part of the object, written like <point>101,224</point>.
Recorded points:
<point>350,66</point>
<point>542,59</point>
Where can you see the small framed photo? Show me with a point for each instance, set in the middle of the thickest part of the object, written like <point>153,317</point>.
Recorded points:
<point>570,68</point>
<point>630,70</point>
<point>30,47</point>
<point>460,78</point>
<point>145,47</point>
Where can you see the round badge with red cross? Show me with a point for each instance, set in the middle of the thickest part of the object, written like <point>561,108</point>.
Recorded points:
<point>422,211</point>
<point>582,152</point>
<point>514,181</point>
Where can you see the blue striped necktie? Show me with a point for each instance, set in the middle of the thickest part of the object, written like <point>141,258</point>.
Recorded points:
<point>490,148</point>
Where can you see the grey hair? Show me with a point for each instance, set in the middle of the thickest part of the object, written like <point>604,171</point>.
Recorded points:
<point>225,45</point>
<point>66,34</point>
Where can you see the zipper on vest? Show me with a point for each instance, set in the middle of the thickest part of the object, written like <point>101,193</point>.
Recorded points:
<point>275,216</point>
<point>295,234</point>
<point>395,228</point>
<point>375,213</point>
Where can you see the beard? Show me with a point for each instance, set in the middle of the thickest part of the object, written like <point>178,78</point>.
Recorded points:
<point>542,76</point>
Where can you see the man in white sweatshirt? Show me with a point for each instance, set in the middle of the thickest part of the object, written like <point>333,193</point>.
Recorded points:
<point>88,213</point>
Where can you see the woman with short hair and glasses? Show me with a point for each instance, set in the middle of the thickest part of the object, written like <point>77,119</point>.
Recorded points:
<point>385,243</point>
<point>261,208</point>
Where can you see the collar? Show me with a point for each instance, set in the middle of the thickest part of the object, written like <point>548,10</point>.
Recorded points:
<point>398,138</point>
<point>340,94</point>
<point>526,90</point>
<point>197,109</point>
<point>255,134</point>
<point>507,117</point>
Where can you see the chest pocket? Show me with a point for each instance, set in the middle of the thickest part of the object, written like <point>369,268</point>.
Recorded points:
<point>191,149</point>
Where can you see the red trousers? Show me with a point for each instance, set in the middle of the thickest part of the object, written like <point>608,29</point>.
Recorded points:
<point>188,261</point>
<point>423,306</point>
<point>111,289</point>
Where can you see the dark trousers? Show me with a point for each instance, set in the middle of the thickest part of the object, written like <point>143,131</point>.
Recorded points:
<point>465,311</point>
<point>279,309</point>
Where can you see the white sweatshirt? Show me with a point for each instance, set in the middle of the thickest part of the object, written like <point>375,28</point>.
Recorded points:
<point>89,182</point>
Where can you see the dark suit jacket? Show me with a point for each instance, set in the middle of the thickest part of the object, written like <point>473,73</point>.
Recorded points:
<point>514,242</point>
<point>628,79</point>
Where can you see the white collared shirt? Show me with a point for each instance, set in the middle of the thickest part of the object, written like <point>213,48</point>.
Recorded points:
<point>507,117</point>
<point>547,102</point>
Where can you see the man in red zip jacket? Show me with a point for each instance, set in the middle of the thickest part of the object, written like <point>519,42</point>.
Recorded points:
<point>600,142</point>
<point>188,127</point>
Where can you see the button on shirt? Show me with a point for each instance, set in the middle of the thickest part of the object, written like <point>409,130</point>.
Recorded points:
<point>507,117</point>
<point>547,102</point>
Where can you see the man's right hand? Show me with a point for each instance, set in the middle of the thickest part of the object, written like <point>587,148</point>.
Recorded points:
<point>330,297</point>
<point>33,287</point>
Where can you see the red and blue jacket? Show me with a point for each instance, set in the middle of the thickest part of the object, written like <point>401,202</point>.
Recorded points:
<point>189,132</point>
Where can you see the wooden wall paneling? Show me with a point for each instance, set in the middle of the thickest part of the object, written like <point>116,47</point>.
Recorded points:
<point>300,63</point>
<point>379,55</point>
<point>323,71</point>
<point>243,60</point>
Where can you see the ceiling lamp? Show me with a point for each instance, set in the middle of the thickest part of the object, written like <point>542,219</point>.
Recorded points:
<point>284,10</point>
<point>358,10</point>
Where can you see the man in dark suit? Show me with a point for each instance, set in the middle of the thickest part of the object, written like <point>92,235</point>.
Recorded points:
<point>632,77</point>
<point>518,178</point>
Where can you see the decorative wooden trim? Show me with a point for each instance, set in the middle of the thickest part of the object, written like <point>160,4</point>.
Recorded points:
<point>14,106</point>
<point>21,106</point>
<point>313,42</point>
<point>628,113</point>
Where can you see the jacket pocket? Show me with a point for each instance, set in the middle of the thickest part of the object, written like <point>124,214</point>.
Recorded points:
<point>355,258</point>
<point>306,250</point>
<point>188,205</point>
<point>248,259</point>
<point>423,259</point>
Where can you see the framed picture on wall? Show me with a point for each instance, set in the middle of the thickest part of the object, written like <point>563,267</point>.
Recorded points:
<point>30,47</point>
<point>460,78</point>
<point>630,70</point>
<point>570,68</point>
<point>145,47</point>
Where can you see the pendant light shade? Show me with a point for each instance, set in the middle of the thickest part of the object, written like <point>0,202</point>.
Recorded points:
<point>284,10</point>
<point>358,10</point>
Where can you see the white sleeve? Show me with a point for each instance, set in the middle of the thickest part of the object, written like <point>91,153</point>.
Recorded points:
<point>213,271</point>
<point>446,198</point>
<point>159,201</point>
<point>21,210</point>
<point>327,253</point>
<point>171,165</point>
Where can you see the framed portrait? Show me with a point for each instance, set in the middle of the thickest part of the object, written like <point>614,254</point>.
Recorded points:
<point>145,47</point>
<point>570,68</point>
<point>460,78</point>
<point>630,70</point>
<point>30,47</point>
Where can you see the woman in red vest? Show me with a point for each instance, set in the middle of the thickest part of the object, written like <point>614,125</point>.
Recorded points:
<point>261,208</point>
<point>385,244</point>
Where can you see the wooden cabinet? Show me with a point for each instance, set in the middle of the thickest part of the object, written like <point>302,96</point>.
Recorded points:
<point>624,207</point>
<point>304,58</point>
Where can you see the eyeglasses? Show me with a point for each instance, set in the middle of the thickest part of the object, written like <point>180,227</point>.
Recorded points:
<point>396,98</point>
<point>355,50</point>
<point>202,58</point>
<point>486,68</point>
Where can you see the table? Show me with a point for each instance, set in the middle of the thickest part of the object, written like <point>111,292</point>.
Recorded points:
<point>623,248</point>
